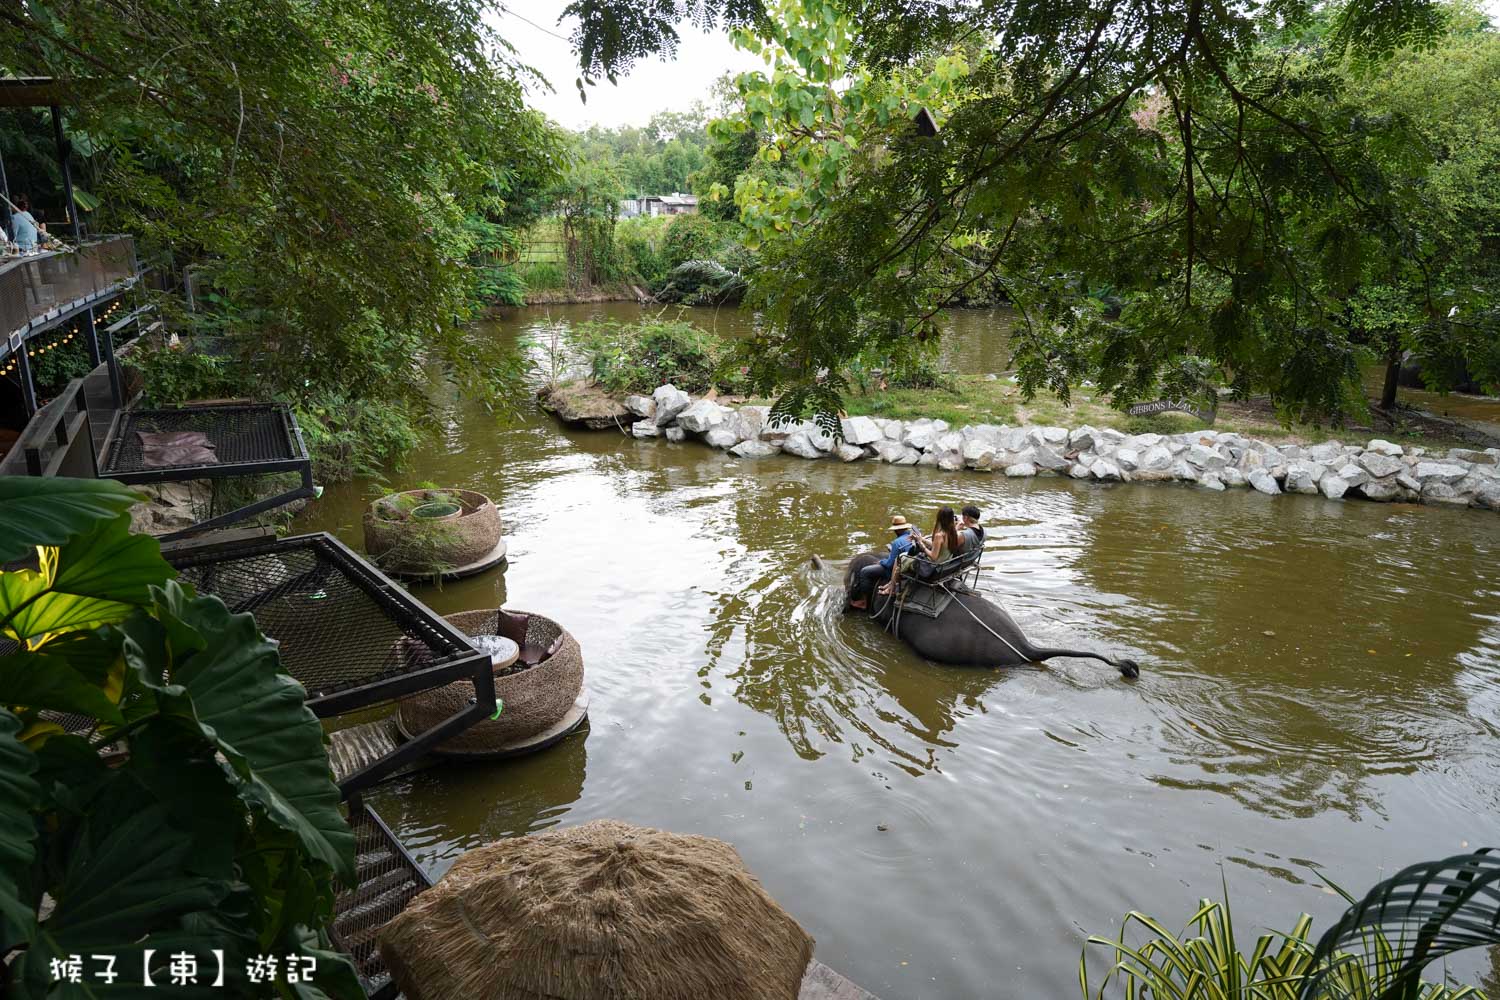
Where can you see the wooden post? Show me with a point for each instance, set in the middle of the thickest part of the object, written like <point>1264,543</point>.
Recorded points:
<point>67,173</point>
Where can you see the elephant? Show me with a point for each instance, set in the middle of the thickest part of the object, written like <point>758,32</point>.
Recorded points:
<point>971,631</point>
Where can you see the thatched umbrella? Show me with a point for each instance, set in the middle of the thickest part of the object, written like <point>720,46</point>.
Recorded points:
<point>601,911</point>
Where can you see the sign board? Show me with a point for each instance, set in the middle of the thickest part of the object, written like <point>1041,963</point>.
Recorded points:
<point>1172,406</point>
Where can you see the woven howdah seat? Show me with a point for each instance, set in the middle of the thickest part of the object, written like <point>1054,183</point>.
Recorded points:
<point>537,692</point>
<point>601,911</point>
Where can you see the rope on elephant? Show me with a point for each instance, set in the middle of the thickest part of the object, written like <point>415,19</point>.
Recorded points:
<point>997,635</point>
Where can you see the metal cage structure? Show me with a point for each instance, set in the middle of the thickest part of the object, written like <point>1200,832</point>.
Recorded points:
<point>388,879</point>
<point>351,636</point>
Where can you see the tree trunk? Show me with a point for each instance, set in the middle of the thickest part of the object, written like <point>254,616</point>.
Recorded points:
<point>1392,375</point>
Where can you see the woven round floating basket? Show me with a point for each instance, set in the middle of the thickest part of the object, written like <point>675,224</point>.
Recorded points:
<point>402,543</point>
<point>536,696</point>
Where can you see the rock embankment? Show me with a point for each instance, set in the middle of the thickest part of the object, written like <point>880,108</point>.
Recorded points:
<point>1210,459</point>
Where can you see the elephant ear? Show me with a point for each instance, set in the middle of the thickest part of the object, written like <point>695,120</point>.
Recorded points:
<point>1382,943</point>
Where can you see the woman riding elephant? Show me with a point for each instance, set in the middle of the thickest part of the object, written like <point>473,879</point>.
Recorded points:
<point>969,631</point>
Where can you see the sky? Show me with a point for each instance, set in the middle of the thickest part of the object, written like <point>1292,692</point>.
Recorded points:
<point>652,86</point>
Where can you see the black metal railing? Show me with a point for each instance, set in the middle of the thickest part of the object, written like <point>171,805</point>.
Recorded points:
<point>37,286</point>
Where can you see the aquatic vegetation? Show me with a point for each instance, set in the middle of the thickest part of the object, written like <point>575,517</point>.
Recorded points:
<point>1433,909</point>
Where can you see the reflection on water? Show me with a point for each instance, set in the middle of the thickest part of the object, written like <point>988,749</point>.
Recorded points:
<point>1319,688</point>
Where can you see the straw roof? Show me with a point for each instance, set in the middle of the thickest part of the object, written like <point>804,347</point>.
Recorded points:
<point>601,911</point>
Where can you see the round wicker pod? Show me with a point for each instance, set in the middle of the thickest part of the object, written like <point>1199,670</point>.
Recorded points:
<point>536,697</point>
<point>403,544</point>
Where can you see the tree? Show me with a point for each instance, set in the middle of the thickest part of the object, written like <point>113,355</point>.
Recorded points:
<point>1039,171</point>
<point>319,160</point>
<point>1435,296</point>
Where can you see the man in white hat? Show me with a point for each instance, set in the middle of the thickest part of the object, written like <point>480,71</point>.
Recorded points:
<point>872,576</point>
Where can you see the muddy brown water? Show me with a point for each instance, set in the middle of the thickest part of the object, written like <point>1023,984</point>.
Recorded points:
<point>1320,690</point>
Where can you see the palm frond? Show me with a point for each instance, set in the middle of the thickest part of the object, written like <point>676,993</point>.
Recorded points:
<point>1379,947</point>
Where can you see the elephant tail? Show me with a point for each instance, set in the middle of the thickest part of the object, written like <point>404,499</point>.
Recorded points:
<point>1035,654</point>
<point>1127,667</point>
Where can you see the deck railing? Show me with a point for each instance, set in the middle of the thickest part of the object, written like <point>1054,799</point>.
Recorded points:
<point>38,285</point>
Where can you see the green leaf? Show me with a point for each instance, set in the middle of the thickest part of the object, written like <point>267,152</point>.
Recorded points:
<point>36,511</point>
<point>18,793</point>
<point>125,886</point>
<point>96,578</point>
<point>230,683</point>
<point>49,681</point>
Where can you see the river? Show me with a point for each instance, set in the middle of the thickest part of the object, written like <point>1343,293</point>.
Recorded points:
<point>1320,689</point>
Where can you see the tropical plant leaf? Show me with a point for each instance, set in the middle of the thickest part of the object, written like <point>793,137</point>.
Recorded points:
<point>36,511</point>
<point>95,578</point>
<point>226,678</point>
<point>48,681</point>
<point>18,792</point>
<point>1417,916</point>
<point>125,885</point>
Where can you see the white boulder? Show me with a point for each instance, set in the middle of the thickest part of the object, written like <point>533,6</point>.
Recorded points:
<point>1207,459</point>
<point>978,453</point>
<point>641,406</point>
<point>701,417</point>
<point>754,449</point>
<point>800,444</point>
<point>670,401</point>
<point>849,452</point>
<point>1020,469</point>
<point>1082,438</point>
<point>1440,472</point>
<point>860,430</point>
<point>721,437</point>
<point>1332,486</point>
<point>1380,466</point>
<point>1381,447</point>
<point>1264,481</point>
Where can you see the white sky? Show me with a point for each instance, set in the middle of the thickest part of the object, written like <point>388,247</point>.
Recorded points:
<point>650,87</point>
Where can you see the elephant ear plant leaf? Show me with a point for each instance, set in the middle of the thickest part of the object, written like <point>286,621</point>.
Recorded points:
<point>51,511</point>
<point>1382,943</point>
<point>214,831</point>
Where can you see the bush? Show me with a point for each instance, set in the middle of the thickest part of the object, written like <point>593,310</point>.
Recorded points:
<point>638,357</point>
<point>177,375</point>
<point>354,437</point>
<point>544,274</point>
<point>638,250</point>
<point>698,237</point>
<point>60,365</point>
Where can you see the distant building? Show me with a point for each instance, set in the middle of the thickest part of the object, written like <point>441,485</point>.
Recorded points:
<point>659,204</point>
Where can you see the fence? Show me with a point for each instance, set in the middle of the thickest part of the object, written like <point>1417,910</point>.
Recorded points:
<point>37,285</point>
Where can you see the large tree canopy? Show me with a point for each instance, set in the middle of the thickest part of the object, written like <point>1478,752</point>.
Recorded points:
<point>319,160</point>
<point>1179,194</point>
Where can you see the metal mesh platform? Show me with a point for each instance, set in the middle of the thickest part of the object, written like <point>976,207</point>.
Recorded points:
<point>348,634</point>
<point>248,438</point>
<point>388,880</point>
